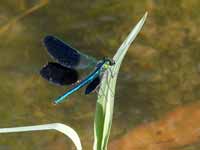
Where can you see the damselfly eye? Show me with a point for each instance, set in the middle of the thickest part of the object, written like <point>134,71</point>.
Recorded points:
<point>112,62</point>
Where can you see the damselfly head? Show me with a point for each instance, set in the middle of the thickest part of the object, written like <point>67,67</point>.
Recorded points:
<point>110,61</point>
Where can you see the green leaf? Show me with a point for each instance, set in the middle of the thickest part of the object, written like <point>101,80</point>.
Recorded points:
<point>68,131</point>
<point>105,102</point>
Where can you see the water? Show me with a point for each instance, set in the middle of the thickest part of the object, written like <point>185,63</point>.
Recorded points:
<point>159,74</point>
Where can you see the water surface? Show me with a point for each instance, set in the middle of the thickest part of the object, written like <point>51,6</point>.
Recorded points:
<point>160,72</point>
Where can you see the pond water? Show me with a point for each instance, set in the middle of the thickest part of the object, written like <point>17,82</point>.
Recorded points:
<point>160,73</point>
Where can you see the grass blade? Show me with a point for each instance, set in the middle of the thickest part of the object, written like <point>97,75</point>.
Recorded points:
<point>105,102</point>
<point>68,131</point>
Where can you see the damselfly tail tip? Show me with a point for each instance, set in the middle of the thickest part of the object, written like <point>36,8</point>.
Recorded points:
<point>55,102</point>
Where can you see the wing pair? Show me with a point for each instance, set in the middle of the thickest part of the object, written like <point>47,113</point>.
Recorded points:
<point>69,60</point>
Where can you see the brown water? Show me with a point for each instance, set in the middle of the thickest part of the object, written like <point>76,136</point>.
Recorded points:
<point>160,73</point>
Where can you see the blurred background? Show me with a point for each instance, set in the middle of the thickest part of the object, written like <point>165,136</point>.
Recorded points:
<point>157,96</point>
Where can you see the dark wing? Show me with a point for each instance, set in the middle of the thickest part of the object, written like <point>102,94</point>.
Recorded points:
<point>93,85</point>
<point>57,74</point>
<point>66,55</point>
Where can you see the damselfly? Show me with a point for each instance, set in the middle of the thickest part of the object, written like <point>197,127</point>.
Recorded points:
<point>68,61</point>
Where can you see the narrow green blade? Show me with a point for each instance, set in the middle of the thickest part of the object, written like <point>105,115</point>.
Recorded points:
<point>105,102</point>
<point>68,131</point>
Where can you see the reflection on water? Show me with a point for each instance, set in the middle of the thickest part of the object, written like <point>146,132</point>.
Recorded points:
<point>159,74</point>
